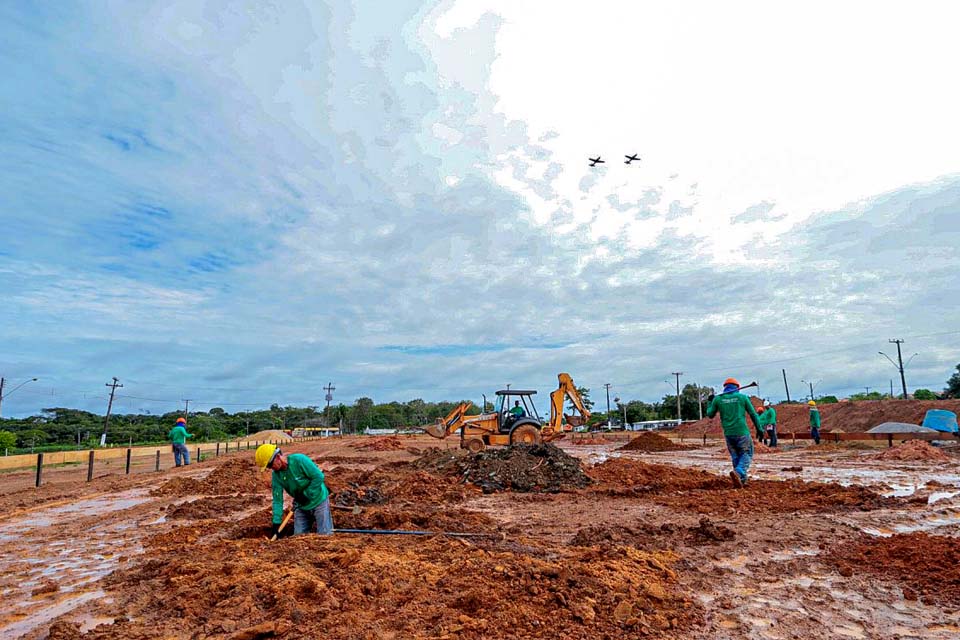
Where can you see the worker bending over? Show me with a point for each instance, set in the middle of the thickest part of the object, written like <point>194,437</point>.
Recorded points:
<point>814,422</point>
<point>733,406</point>
<point>299,476</point>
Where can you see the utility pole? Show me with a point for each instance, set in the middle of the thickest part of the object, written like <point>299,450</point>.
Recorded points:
<point>891,388</point>
<point>607,387</point>
<point>678,374</point>
<point>811,390</point>
<point>785,387</point>
<point>868,390</point>
<point>186,407</point>
<point>106,420</point>
<point>699,402</point>
<point>903,379</point>
<point>329,397</point>
<point>2,380</point>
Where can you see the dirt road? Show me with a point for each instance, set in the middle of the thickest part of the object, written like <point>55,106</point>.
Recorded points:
<point>830,542</point>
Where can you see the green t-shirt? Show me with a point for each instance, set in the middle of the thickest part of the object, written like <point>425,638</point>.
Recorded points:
<point>733,409</point>
<point>179,435</point>
<point>303,480</point>
<point>814,418</point>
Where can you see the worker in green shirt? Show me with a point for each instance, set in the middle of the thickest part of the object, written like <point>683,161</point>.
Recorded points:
<point>733,406</point>
<point>769,419</point>
<point>814,422</point>
<point>515,413</point>
<point>299,476</point>
<point>178,437</point>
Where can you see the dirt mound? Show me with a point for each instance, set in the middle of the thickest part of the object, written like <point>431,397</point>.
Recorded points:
<point>622,476</point>
<point>429,518</point>
<point>649,441</point>
<point>441,461</point>
<point>238,475</point>
<point>311,587</point>
<point>847,417</point>
<point>914,450</point>
<point>541,468</point>
<point>269,435</point>
<point>397,482</point>
<point>217,507</point>
<point>389,443</point>
<point>926,566</point>
<point>646,536</point>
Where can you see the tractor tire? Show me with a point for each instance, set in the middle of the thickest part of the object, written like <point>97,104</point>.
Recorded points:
<point>474,445</point>
<point>525,434</point>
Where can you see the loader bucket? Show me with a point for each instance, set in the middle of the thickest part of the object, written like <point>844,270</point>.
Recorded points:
<point>437,430</point>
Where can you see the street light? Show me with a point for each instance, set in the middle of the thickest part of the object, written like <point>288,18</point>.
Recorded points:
<point>4,395</point>
<point>812,385</point>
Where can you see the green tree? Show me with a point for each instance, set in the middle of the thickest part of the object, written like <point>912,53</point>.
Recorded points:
<point>873,395</point>
<point>953,385</point>
<point>8,440</point>
<point>827,400</point>
<point>32,437</point>
<point>924,394</point>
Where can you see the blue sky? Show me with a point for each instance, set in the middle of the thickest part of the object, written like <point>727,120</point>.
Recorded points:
<point>239,202</point>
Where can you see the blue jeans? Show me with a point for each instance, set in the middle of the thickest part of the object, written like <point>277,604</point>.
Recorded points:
<point>318,519</point>
<point>741,453</point>
<point>815,434</point>
<point>180,453</point>
<point>772,436</point>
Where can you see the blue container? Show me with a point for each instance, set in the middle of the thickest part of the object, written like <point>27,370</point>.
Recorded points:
<point>941,420</point>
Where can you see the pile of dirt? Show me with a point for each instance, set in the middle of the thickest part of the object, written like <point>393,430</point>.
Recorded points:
<point>417,517</point>
<point>646,536</point>
<point>237,475</point>
<point>626,477</point>
<point>649,441</point>
<point>594,440</point>
<point>389,443</point>
<point>269,435</point>
<point>440,461</point>
<point>926,566</point>
<point>380,587</point>
<point>541,468</point>
<point>847,417</point>
<point>914,450</point>
<point>219,507</point>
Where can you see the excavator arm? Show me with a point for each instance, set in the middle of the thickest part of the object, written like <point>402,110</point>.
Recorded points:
<point>445,426</point>
<point>565,390</point>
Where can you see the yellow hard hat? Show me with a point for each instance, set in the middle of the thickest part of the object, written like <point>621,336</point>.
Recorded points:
<point>264,455</point>
<point>812,403</point>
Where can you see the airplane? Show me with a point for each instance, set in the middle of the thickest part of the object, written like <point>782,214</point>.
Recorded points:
<point>630,159</point>
<point>595,161</point>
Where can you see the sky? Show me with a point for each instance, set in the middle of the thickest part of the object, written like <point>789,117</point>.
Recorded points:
<point>239,202</point>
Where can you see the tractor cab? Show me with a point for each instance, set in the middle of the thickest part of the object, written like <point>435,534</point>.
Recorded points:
<point>514,408</point>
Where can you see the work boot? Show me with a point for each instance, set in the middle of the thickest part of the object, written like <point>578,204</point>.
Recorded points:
<point>737,482</point>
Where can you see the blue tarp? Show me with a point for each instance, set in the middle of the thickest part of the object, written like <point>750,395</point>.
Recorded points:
<point>941,420</point>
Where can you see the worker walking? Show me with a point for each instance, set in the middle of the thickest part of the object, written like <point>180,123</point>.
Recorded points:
<point>299,476</point>
<point>178,437</point>
<point>770,424</point>
<point>733,406</point>
<point>814,421</point>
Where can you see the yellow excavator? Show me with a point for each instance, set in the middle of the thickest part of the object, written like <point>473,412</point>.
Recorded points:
<point>507,426</point>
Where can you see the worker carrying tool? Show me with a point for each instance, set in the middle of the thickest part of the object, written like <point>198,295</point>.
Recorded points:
<point>814,421</point>
<point>733,406</point>
<point>299,476</point>
<point>768,419</point>
<point>178,437</point>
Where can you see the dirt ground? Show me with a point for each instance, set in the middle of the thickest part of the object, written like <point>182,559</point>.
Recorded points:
<point>827,541</point>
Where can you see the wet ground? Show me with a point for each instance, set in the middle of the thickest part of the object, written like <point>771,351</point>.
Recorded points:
<point>644,551</point>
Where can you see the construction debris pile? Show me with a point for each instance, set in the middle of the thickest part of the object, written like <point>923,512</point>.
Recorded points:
<point>649,442</point>
<point>542,468</point>
<point>926,566</point>
<point>915,451</point>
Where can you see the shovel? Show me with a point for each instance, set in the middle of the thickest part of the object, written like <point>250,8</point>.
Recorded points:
<point>282,525</point>
<point>355,509</point>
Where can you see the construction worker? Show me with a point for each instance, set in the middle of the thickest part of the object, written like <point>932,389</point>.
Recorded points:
<point>733,406</point>
<point>814,421</point>
<point>762,429</point>
<point>299,476</point>
<point>770,423</point>
<point>515,413</point>
<point>178,437</point>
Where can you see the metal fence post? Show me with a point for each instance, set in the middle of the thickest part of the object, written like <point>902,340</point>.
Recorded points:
<point>129,453</point>
<point>39,467</point>
<point>90,466</point>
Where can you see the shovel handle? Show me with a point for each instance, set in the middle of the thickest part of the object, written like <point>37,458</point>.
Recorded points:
<point>282,525</point>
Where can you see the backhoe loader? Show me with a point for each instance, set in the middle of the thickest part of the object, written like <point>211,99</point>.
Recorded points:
<point>503,427</point>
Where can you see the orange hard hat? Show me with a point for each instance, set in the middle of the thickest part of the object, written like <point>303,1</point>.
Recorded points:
<point>761,409</point>
<point>731,381</point>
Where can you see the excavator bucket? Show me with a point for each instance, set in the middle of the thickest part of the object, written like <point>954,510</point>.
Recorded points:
<point>437,430</point>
